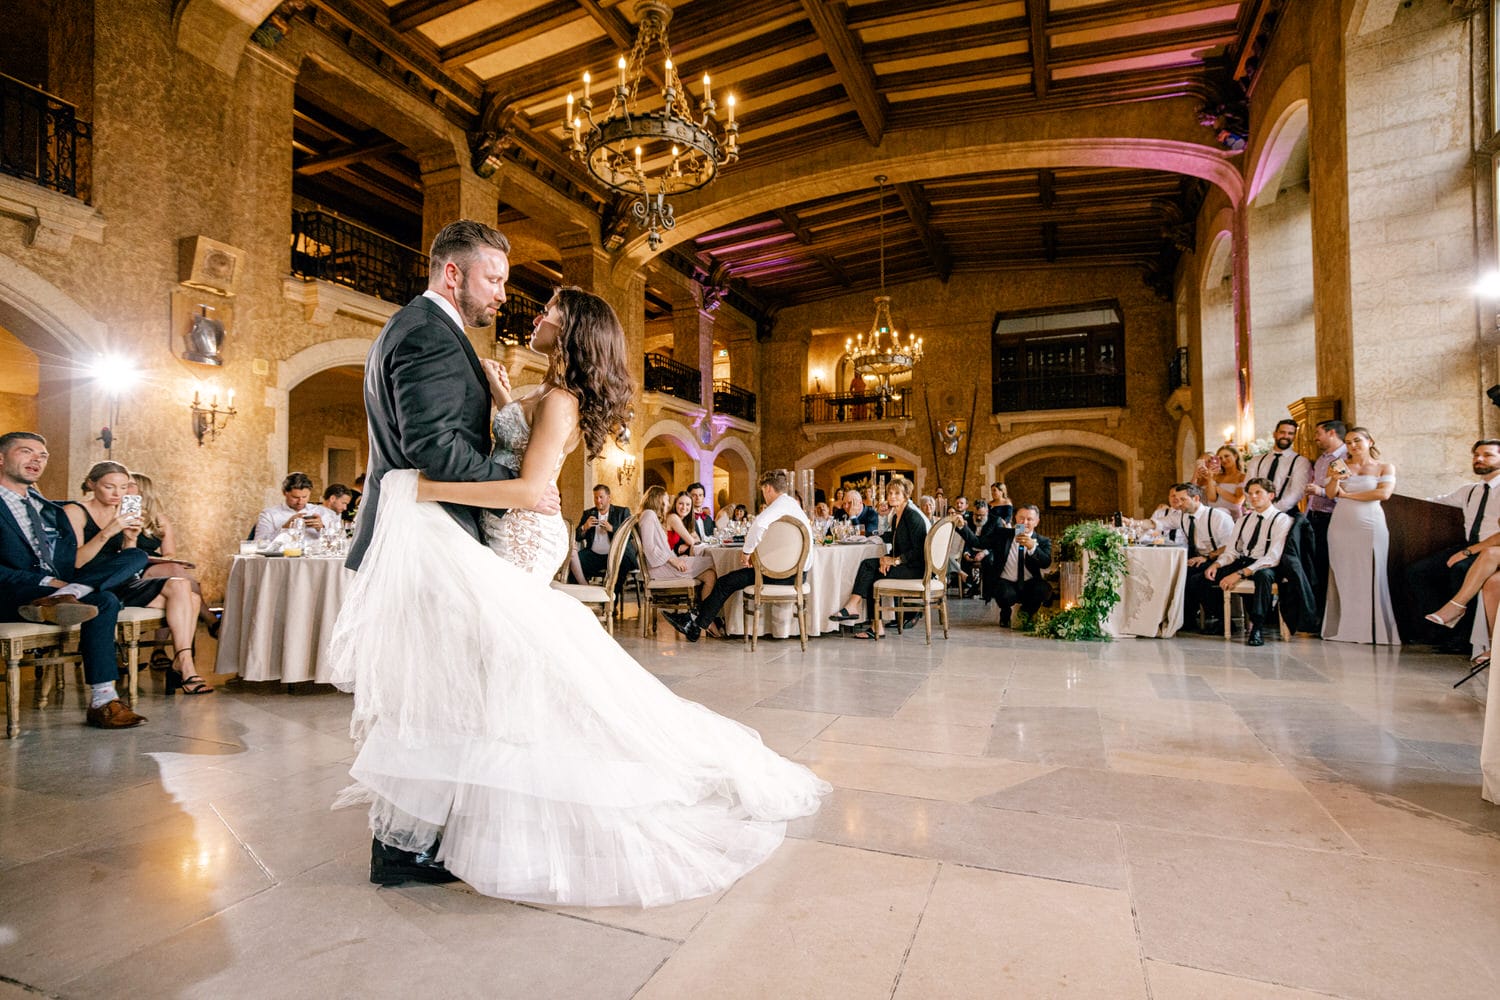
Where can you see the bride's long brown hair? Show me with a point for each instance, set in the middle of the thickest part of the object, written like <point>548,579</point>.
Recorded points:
<point>589,362</point>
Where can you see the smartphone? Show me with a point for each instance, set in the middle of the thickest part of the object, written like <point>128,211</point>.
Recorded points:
<point>130,506</point>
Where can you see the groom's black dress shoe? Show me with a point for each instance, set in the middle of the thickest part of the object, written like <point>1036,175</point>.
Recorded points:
<point>393,866</point>
<point>684,623</point>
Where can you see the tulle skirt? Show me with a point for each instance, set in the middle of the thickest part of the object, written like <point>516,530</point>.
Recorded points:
<point>498,713</point>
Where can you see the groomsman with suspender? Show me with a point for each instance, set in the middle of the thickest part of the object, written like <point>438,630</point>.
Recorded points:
<point>1442,573</point>
<point>1206,531</point>
<point>1289,471</point>
<point>1252,554</point>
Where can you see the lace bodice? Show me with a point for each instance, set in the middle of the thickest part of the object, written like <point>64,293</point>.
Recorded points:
<point>535,542</point>
<point>512,434</point>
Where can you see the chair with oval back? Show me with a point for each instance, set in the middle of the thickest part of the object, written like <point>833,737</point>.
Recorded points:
<point>667,592</point>
<point>601,598</point>
<point>931,590</point>
<point>781,552</point>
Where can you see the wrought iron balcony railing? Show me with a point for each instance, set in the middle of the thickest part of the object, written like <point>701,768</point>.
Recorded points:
<point>332,249</point>
<point>852,407</point>
<point>42,139</point>
<point>513,324</point>
<point>1177,371</point>
<point>665,375</point>
<point>1059,392</point>
<point>731,400</point>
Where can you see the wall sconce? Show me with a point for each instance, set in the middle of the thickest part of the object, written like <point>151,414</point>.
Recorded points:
<point>627,471</point>
<point>209,420</point>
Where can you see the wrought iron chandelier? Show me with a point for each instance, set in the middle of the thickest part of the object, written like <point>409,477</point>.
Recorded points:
<point>882,353</point>
<point>651,154</point>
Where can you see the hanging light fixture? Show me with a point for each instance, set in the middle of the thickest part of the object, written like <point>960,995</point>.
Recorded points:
<point>881,353</point>
<point>651,154</point>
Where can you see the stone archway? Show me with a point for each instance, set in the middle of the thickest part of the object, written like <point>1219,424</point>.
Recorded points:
<point>682,436</point>
<point>1125,459</point>
<point>52,323</point>
<point>739,492</point>
<point>1216,337</point>
<point>292,371</point>
<point>813,459</point>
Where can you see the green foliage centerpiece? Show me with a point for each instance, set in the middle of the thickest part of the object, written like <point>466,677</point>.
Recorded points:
<point>1101,586</point>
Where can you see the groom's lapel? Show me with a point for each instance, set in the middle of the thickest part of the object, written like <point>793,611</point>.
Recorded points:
<point>442,316</point>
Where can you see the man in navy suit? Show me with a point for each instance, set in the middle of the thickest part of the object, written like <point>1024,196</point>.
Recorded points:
<point>39,581</point>
<point>1017,558</point>
<point>427,400</point>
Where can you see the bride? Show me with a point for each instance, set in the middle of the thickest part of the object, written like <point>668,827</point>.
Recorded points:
<point>497,719</point>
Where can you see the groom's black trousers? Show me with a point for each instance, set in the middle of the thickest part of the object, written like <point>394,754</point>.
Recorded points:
<point>727,586</point>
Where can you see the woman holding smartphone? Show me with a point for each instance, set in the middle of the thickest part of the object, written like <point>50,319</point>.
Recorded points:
<point>109,521</point>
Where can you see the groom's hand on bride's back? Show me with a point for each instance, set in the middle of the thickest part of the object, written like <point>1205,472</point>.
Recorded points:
<point>550,502</point>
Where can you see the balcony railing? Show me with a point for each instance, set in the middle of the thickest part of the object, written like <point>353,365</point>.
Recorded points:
<point>852,407</point>
<point>731,400</point>
<point>1177,370</point>
<point>665,375</point>
<point>42,139</point>
<point>1059,392</point>
<point>328,248</point>
<point>513,323</point>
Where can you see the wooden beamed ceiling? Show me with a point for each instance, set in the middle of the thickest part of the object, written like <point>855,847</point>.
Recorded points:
<point>812,73</point>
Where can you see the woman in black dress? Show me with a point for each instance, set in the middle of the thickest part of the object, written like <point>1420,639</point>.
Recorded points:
<point>102,532</point>
<point>907,560</point>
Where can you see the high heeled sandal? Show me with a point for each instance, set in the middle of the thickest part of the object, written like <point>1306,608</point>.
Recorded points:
<point>193,684</point>
<point>1438,619</point>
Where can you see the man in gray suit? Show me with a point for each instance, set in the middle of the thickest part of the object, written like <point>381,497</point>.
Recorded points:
<point>428,406</point>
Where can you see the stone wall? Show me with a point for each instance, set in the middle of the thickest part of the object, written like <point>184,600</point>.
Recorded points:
<point>955,319</point>
<point>1096,487</point>
<point>1282,336</point>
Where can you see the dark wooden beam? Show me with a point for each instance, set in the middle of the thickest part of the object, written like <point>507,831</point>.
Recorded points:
<point>854,73</point>
<point>1044,180</point>
<point>507,33</point>
<point>916,210</point>
<point>797,229</point>
<point>1049,241</point>
<point>622,33</point>
<point>942,43</point>
<point>901,11</point>
<point>346,155</point>
<point>411,14</point>
<point>980,72</point>
<point>832,267</point>
<point>1186,39</point>
<point>1036,16</point>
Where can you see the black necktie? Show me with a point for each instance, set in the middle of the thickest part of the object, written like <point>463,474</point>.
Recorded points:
<point>1255,535</point>
<point>1276,462</point>
<point>1192,536</point>
<point>1479,514</point>
<point>44,549</point>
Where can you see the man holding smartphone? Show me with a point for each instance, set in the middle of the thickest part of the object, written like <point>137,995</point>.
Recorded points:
<point>312,519</point>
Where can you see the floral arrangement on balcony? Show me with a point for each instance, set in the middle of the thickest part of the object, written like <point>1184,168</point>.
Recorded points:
<point>1084,621</point>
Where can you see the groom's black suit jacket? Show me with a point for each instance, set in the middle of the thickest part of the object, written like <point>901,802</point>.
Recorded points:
<point>428,406</point>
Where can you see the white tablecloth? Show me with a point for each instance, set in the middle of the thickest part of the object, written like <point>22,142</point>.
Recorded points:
<point>831,577</point>
<point>278,617</point>
<point>1151,598</point>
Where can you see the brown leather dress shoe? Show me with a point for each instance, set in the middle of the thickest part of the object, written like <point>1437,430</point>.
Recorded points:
<point>65,610</point>
<point>113,715</point>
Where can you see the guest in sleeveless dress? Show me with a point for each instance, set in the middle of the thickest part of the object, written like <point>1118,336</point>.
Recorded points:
<point>679,535</point>
<point>156,529</point>
<point>1359,594</point>
<point>1224,487</point>
<point>107,484</point>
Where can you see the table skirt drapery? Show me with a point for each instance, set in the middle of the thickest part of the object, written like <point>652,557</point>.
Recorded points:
<point>278,618</point>
<point>831,577</point>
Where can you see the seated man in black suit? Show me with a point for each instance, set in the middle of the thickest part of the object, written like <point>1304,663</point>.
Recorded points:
<point>39,581</point>
<point>596,529</point>
<point>1017,556</point>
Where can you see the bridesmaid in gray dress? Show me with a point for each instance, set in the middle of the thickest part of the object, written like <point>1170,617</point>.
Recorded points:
<point>1359,594</point>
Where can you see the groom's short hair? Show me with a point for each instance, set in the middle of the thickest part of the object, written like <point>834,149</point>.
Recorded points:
<point>457,242</point>
<point>777,479</point>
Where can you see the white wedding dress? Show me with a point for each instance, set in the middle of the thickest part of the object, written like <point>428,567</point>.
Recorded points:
<point>498,713</point>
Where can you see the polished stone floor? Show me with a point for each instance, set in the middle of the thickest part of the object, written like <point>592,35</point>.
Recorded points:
<point>1012,818</point>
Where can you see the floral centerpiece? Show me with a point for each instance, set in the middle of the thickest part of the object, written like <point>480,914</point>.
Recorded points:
<point>1101,586</point>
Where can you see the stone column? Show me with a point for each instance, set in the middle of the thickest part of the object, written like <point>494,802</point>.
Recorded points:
<point>1328,195</point>
<point>693,340</point>
<point>1243,364</point>
<point>780,406</point>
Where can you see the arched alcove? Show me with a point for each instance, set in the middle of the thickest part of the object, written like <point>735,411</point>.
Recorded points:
<point>1216,347</point>
<point>1063,443</point>
<point>670,456</point>
<point>828,455</point>
<point>349,352</point>
<point>734,471</point>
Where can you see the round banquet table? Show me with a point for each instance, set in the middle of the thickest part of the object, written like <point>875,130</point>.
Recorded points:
<point>278,617</point>
<point>831,576</point>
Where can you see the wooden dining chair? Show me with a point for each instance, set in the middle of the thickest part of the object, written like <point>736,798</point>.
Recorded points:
<point>1244,588</point>
<point>680,592</point>
<point>45,647</point>
<point>601,598</point>
<point>928,592</point>
<point>781,552</point>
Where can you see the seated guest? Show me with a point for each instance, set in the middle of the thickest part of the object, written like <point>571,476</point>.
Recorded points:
<point>40,581</point>
<point>1017,557</point>
<point>961,508</point>
<point>359,487</point>
<point>100,533</point>
<point>680,535</point>
<point>295,513</point>
<point>971,562</point>
<point>596,531</point>
<point>774,487</point>
<point>840,513</point>
<point>882,517</point>
<point>700,520</point>
<point>1205,531</point>
<point>337,499</point>
<point>928,506</point>
<point>861,517</point>
<point>657,551</point>
<point>157,535</point>
<point>1001,508</point>
<point>822,521</point>
<point>1446,570</point>
<point>907,560</point>
<point>1253,553</point>
<point>726,518</point>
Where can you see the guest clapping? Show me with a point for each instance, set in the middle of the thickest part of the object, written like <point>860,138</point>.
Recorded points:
<point>907,560</point>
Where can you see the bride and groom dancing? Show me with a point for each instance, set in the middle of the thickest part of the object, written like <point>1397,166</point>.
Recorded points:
<point>505,738</point>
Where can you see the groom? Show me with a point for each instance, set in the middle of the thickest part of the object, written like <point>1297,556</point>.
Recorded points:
<point>428,406</point>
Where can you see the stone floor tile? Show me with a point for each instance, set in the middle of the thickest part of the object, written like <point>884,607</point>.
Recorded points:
<point>1178,982</point>
<point>904,734</point>
<point>951,777</point>
<point>1061,736</point>
<point>847,692</point>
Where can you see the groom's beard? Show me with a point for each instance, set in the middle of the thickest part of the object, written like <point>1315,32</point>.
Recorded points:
<point>474,311</point>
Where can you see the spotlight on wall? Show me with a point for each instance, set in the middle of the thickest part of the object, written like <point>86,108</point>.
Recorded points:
<point>210,419</point>
<point>115,375</point>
